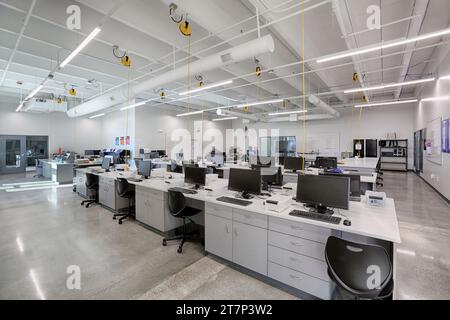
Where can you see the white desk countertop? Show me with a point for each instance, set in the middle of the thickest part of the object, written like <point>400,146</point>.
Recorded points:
<point>376,222</point>
<point>364,163</point>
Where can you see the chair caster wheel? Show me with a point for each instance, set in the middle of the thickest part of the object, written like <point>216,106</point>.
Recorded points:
<point>82,204</point>
<point>120,222</point>
<point>114,218</point>
<point>180,250</point>
<point>164,243</point>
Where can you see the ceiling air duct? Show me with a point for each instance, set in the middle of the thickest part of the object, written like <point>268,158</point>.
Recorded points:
<point>120,95</point>
<point>320,104</point>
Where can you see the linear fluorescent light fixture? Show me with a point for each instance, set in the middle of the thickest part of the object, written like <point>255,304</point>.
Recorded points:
<point>83,44</point>
<point>97,116</point>
<point>287,112</point>
<point>445,78</point>
<point>134,105</point>
<point>386,45</point>
<point>258,103</point>
<point>189,113</point>
<point>31,95</point>
<point>392,85</point>
<point>224,119</point>
<point>441,98</point>
<point>211,86</point>
<point>375,104</point>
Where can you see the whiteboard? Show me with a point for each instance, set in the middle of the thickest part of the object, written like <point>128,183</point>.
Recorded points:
<point>325,144</point>
<point>433,142</point>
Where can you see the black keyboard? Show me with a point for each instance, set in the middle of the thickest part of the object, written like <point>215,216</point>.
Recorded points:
<point>239,202</point>
<point>183,190</point>
<point>315,216</point>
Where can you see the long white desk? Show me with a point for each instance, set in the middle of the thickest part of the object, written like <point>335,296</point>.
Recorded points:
<point>362,165</point>
<point>279,246</point>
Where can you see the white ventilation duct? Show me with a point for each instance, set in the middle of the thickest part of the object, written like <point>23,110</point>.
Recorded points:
<point>319,103</point>
<point>240,115</point>
<point>40,105</point>
<point>300,118</point>
<point>239,53</point>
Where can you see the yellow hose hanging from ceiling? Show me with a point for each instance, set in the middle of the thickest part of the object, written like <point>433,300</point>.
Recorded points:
<point>302,54</point>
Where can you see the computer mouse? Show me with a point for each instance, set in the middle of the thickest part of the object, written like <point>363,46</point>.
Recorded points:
<point>347,223</point>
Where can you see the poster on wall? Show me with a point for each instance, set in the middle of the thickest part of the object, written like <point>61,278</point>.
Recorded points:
<point>128,141</point>
<point>122,141</point>
<point>446,136</point>
<point>433,141</point>
<point>117,142</point>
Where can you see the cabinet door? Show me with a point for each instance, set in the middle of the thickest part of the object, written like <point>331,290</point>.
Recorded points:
<point>81,183</point>
<point>250,247</point>
<point>218,236</point>
<point>142,214</point>
<point>155,209</point>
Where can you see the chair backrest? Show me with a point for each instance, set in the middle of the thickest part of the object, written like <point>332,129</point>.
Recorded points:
<point>122,186</point>
<point>350,262</point>
<point>177,202</point>
<point>91,181</point>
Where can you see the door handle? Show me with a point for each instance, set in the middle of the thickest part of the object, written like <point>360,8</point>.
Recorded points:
<point>235,232</point>
<point>226,228</point>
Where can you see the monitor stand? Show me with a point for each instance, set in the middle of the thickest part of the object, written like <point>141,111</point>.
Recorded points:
<point>320,209</point>
<point>197,186</point>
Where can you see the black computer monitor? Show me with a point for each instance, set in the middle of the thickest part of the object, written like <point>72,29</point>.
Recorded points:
<point>271,176</point>
<point>161,153</point>
<point>195,175</point>
<point>145,168</point>
<point>154,155</point>
<point>355,182</point>
<point>293,163</point>
<point>106,163</point>
<point>245,181</point>
<point>326,162</point>
<point>321,191</point>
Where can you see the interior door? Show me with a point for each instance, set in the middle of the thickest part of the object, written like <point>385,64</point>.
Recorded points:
<point>13,157</point>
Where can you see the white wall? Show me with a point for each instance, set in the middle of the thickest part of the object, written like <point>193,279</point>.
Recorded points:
<point>65,133</point>
<point>372,123</point>
<point>150,121</point>
<point>437,175</point>
<point>117,124</point>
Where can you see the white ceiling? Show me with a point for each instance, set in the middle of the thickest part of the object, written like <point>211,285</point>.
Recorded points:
<point>145,30</point>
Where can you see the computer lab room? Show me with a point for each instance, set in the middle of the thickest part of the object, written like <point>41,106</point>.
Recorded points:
<point>259,150</point>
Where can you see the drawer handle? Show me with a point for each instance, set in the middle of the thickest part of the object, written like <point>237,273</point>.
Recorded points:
<point>226,228</point>
<point>295,259</point>
<point>295,277</point>
<point>235,232</point>
<point>296,228</point>
<point>296,244</point>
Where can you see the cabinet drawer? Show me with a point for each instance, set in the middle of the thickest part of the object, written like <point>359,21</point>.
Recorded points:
<point>302,230</point>
<point>219,210</point>
<point>306,247</point>
<point>307,265</point>
<point>150,193</point>
<point>316,287</point>
<point>254,219</point>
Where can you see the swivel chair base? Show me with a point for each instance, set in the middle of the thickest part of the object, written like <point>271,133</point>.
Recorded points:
<point>185,236</point>
<point>88,203</point>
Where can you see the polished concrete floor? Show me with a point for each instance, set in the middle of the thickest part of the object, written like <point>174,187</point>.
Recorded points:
<point>45,232</point>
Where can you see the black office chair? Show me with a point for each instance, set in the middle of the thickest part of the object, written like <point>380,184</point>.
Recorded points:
<point>125,190</point>
<point>351,266</point>
<point>91,189</point>
<point>39,169</point>
<point>178,209</point>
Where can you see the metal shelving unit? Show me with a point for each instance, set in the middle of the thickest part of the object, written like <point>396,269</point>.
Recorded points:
<point>394,154</point>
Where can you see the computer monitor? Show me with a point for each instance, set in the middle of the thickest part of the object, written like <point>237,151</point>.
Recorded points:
<point>355,182</point>
<point>195,175</point>
<point>245,181</point>
<point>322,191</point>
<point>326,162</point>
<point>218,159</point>
<point>161,153</point>
<point>145,168</point>
<point>281,160</point>
<point>154,155</point>
<point>106,163</point>
<point>91,152</point>
<point>272,176</point>
<point>293,163</point>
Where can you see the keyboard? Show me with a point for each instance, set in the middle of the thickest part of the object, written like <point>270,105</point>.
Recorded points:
<point>238,202</point>
<point>315,216</point>
<point>183,190</point>
<point>134,180</point>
